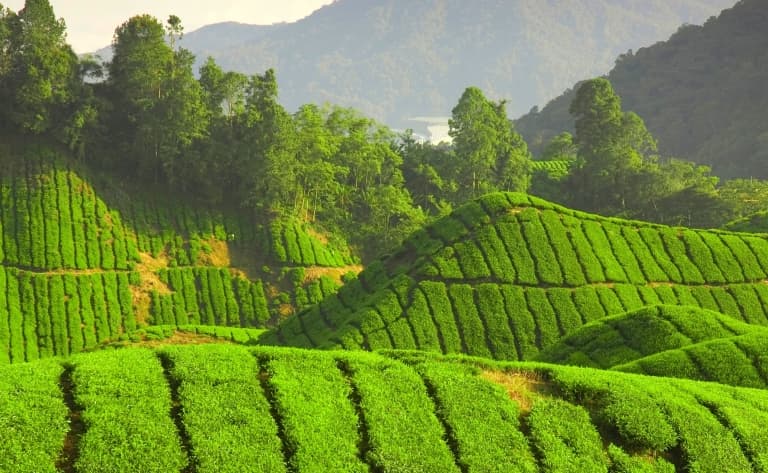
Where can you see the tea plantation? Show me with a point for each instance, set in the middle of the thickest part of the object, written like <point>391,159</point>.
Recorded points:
<point>628,337</point>
<point>223,408</point>
<point>508,275</point>
<point>474,321</point>
<point>81,266</point>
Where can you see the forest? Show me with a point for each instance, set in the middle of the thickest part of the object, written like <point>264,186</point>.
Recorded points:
<point>700,92</point>
<point>195,279</point>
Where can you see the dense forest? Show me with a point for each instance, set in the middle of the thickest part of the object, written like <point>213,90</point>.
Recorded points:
<point>701,93</point>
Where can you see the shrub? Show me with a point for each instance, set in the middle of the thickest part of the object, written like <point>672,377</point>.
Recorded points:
<point>602,248</point>
<point>517,249</point>
<point>573,272</point>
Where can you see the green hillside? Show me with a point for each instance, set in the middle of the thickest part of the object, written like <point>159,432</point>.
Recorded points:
<point>508,275</point>
<point>80,265</point>
<point>735,360</point>
<point>628,337</point>
<point>228,408</point>
<point>754,223</point>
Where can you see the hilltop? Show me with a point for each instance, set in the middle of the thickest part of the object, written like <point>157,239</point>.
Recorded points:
<point>218,408</point>
<point>700,93</point>
<point>508,275</point>
<point>396,59</point>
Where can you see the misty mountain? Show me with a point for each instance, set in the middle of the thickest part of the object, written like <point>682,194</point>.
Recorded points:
<point>702,93</point>
<point>396,59</point>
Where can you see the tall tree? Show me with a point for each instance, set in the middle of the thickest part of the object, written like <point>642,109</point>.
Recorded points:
<point>157,102</point>
<point>224,92</point>
<point>425,171</point>
<point>40,67</point>
<point>489,153</point>
<point>266,171</point>
<point>612,149</point>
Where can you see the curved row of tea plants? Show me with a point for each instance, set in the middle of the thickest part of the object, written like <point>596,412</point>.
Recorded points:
<point>508,275</point>
<point>628,337</point>
<point>51,218</point>
<point>222,408</point>
<point>45,315</point>
<point>736,360</point>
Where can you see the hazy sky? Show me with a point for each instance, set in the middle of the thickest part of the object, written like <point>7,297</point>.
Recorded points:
<point>91,23</point>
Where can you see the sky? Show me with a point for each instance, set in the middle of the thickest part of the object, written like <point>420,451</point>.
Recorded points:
<point>90,23</point>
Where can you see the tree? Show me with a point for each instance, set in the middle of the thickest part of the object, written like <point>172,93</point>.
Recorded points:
<point>597,111</point>
<point>318,176</point>
<point>613,147</point>
<point>224,92</point>
<point>490,155</point>
<point>561,147</point>
<point>40,67</point>
<point>7,18</point>
<point>746,196</point>
<point>265,171</point>
<point>157,102</point>
<point>426,170</point>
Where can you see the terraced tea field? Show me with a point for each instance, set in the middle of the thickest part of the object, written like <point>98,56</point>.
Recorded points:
<point>508,275</point>
<point>227,408</point>
<point>78,268</point>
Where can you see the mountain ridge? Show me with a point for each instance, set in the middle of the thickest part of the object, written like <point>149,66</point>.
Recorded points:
<point>435,49</point>
<point>700,93</point>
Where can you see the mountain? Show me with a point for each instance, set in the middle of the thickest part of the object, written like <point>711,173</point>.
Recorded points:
<point>508,275</point>
<point>397,59</point>
<point>229,408</point>
<point>701,93</point>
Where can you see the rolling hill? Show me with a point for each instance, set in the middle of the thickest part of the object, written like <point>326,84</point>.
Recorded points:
<point>396,59</point>
<point>508,275</point>
<point>700,93</point>
<point>736,360</point>
<point>228,408</point>
<point>81,264</point>
<point>625,338</point>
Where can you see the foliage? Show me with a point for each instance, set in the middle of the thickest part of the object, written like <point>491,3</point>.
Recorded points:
<point>489,154</point>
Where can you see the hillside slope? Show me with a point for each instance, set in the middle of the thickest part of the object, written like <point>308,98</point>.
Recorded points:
<point>737,360</point>
<point>227,408</point>
<point>509,274</point>
<point>701,93</point>
<point>398,59</point>
<point>625,338</point>
<point>80,265</point>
